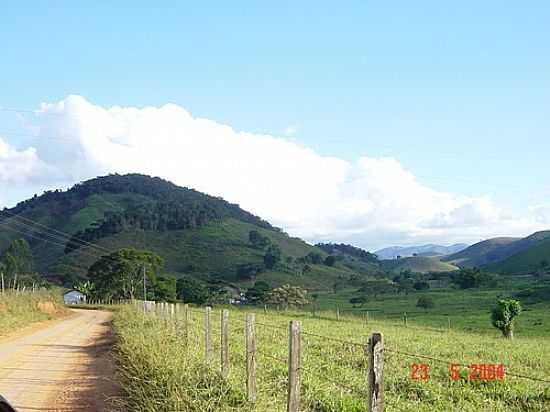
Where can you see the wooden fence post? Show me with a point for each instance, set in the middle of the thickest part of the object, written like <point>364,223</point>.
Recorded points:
<point>337,313</point>
<point>293,401</point>
<point>405,318</point>
<point>375,374</point>
<point>367,317</point>
<point>251,357</point>
<point>224,344</point>
<point>449,322</point>
<point>186,323</point>
<point>208,335</point>
<point>177,315</point>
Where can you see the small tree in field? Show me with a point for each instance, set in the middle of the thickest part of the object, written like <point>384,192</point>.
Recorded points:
<point>425,302</point>
<point>503,315</point>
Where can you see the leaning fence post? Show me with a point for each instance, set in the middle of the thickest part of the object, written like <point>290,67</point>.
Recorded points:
<point>293,401</point>
<point>224,344</point>
<point>251,357</point>
<point>208,335</point>
<point>375,374</point>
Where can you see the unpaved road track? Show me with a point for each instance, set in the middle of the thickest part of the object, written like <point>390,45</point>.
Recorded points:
<point>63,366</point>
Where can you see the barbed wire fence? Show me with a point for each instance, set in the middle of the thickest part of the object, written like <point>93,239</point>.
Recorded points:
<point>216,337</point>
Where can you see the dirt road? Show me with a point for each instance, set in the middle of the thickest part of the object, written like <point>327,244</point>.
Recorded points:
<point>64,366</point>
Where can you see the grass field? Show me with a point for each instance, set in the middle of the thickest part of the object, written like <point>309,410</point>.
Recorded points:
<point>161,373</point>
<point>467,310</point>
<point>18,310</point>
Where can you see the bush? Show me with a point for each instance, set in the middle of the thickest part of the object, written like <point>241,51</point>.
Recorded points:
<point>425,302</point>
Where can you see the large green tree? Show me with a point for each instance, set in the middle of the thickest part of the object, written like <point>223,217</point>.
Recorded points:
<point>17,262</point>
<point>120,274</point>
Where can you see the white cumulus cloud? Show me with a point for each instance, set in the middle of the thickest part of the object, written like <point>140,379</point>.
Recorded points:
<point>372,201</point>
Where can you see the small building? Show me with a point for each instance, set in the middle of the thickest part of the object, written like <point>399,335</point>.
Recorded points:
<point>74,297</point>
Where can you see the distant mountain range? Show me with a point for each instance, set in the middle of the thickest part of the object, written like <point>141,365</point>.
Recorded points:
<point>423,250</point>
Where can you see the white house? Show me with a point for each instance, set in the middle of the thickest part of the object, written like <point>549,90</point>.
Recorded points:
<point>74,297</point>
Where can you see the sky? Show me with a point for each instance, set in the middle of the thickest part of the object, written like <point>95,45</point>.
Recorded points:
<point>361,122</point>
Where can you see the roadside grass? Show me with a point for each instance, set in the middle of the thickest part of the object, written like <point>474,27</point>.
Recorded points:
<point>161,373</point>
<point>23,308</point>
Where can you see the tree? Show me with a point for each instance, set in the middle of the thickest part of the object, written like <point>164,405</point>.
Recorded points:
<point>504,314</point>
<point>249,270</point>
<point>18,261</point>
<point>421,285</point>
<point>87,288</point>
<point>164,288</point>
<point>190,290</point>
<point>314,258</point>
<point>425,302</point>
<point>120,274</point>
<point>287,295</point>
<point>272,256</point>
<point>258,240</point>
<point>359,300</point>
<point>472,278</point>
<point>330,260</point>
<point>257,294</point>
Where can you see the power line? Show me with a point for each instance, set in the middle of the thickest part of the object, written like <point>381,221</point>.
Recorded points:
<point>59,232</point>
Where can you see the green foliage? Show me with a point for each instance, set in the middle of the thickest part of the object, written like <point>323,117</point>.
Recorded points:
<point>472,278</point>
<point>249,270</point>
<point>313,258</point>
<point>287,296</point>
<point>120,274</point>
<point>190,290</point>
<point>330,260</point>
<point>421,285</point>
<point>165,288</point>
<point>350,250</point>
<point>359,300</point>
<point>16,263</point>
<point>503,315</point>
<point>257,294</point>
<point>425,302</point>
<point>272,256</point>
<point>258,240</point>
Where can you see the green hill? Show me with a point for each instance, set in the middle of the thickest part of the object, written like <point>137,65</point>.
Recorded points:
<point>418,264</point>
<point>536,258</point>
<point>505,254</point>
<point>482,253</point>
<point>194,233</point>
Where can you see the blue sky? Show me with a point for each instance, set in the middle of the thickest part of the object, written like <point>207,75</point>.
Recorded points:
<point>458,93</point>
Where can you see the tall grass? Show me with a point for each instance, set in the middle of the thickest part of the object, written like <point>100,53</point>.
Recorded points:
<point>160,373</point>
<point>18,309</point>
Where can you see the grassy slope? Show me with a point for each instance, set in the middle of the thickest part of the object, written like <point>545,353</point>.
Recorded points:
<point>525,261</point>
<point>479,253</point>
<point>418,264</point>
<point>216,250</point>
<point>22,309</point>
<point>162,374</point>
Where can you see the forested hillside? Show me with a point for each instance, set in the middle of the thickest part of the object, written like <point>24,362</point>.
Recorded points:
<point>195,234</point>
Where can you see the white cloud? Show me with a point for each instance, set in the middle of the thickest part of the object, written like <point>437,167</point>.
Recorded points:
<point>372,202</point>
<point>18,166</point>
